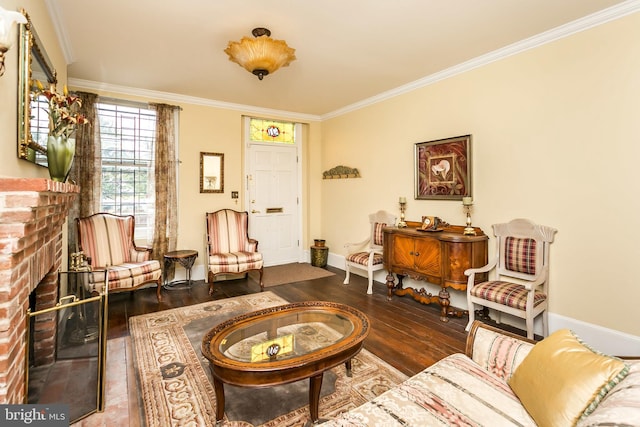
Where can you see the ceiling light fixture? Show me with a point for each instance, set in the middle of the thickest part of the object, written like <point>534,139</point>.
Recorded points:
<point>261,55</point>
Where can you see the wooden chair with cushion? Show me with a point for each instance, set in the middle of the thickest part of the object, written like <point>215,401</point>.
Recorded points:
<point>521,269</point>
<point>108,242</point>
<point>369,259</point>
<point>229,248</point>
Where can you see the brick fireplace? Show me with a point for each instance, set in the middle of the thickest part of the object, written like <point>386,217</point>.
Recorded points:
<point>32,215</point>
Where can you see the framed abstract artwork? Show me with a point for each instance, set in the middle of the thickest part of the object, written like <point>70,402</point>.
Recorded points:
<point>443,168</point>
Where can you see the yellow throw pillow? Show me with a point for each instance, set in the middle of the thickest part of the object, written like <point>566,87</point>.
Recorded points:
<point>562,379</point>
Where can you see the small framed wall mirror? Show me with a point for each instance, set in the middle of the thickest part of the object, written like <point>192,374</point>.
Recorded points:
<point>33,120</point>
<point>211,172</point>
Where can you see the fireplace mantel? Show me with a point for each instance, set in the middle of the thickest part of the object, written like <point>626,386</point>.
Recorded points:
<point>32,214</point>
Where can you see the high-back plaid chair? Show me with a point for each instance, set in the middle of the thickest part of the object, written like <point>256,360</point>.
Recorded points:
<point>367,255</point>
<point>107,241</point>
<point>229,248</point>
<point>521,269</point>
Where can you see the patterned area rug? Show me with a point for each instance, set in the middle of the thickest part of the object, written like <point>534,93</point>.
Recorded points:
<point>176,387</point>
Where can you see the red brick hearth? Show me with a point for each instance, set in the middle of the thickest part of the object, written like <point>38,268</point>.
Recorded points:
<point>32,214</point>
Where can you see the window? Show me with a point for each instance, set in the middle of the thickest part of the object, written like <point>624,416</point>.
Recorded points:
<point>262,130</point>
<point>39,125</point>
<point>127,137</point>
<point>39,121</point>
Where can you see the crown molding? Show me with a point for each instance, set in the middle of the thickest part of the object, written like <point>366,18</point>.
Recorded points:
<point>582,24</point>
<point>183,99</point>
<point>59,28</point>
<point>606,15</point>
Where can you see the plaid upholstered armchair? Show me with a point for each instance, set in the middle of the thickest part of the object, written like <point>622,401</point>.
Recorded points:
<point>229,248</point>
<point>107,241</point>
<point>521,270</point>
<point>367,255</point>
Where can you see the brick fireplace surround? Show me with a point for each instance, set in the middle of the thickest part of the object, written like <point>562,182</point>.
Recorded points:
<point>32,215</point>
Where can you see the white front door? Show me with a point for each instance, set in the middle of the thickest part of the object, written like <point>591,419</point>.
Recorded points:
<point>272,201</point>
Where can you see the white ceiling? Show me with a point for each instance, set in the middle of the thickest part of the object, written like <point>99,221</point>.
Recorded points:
<point>348,51</point>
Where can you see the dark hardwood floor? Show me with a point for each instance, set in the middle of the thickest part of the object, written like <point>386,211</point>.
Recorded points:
<point>404,333</point>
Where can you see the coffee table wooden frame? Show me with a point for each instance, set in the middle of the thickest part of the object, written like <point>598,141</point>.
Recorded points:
<point>225,370</point>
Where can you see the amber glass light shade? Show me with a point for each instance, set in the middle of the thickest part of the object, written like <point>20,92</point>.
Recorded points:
<point>260,55</point>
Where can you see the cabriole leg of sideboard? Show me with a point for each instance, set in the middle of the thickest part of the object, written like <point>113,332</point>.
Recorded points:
<point>390,285</point>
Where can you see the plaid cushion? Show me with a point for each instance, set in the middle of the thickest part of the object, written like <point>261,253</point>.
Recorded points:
<point>139,255</point>
<point>362,258</point>
<point>130,270</point>
<point>106,239</point>
<point>227,231</point>
<point>230,250</point>
<point>127,275</point>
<point>235,258</point>
<point>235,262</point>
<point>506,293</point>
<point>520,255</point>
<point>377,233</point>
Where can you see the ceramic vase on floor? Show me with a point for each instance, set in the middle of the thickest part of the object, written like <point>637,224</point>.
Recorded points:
<point>60,153</point>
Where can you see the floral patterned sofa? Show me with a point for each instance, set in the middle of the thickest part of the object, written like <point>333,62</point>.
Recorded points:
<point>506,380</point>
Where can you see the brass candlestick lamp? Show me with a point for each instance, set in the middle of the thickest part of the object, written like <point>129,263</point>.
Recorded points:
<point>403,206</point>
<point>467,202</point>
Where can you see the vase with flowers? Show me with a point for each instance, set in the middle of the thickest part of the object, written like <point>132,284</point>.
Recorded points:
<point>64,119</point>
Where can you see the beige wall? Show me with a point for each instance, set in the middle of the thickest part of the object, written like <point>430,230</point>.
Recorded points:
<point>211,129</point>
<point>555,139</point>
<point>11,165</point>
<point>217,130</point>
<point>196,134</point>
<point>202,128</point>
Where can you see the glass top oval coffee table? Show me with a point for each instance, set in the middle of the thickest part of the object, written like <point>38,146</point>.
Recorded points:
<point>283,344</point>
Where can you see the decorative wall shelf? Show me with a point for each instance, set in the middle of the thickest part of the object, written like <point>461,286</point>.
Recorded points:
<point>341,172</point>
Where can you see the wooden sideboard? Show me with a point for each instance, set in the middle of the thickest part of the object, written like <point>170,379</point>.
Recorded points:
<point>438,257</point>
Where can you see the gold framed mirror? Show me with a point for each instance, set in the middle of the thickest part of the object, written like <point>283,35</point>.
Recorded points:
<point>211,172</point>
<point>33,121</point>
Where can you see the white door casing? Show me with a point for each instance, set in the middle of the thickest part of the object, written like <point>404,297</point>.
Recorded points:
<point>273,194</point>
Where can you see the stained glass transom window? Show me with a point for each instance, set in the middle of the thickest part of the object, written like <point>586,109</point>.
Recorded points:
<point>262,130</point>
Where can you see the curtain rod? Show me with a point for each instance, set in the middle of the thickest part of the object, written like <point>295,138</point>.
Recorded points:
<point>129,103</point>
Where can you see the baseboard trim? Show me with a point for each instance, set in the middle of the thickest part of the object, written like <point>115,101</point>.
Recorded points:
<point>605,340</point>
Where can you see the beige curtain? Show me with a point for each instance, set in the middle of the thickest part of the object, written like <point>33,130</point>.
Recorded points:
<point>166,217</point>
<point>85,170</point>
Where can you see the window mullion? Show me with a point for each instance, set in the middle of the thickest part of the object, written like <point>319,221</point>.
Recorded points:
<point>127,160</point>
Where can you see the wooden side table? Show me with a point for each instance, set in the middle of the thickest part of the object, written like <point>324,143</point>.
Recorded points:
<point>185,258</point>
